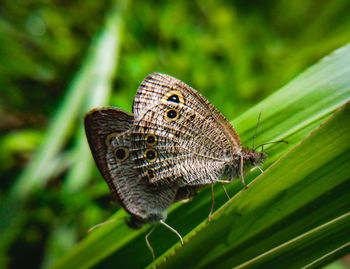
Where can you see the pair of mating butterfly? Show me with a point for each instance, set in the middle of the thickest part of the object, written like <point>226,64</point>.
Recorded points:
<point>175,143</point>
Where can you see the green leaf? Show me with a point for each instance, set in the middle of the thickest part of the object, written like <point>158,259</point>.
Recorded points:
<point>333,236</point>
<point>90,87</point>
<point>304,186</point>
<point>102,73</point>
<point>303,190</point>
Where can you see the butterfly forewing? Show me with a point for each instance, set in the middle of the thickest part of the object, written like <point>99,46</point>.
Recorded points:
<point>193,138</point>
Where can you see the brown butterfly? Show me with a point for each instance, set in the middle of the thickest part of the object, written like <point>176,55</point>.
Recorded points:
<point>108,132</point>
<point>175,143</point>
<point>180,139</point>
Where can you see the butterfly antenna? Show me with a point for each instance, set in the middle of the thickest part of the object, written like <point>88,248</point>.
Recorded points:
<point>101,224</point>
<point>148,244</point>
<point>274,142</point>
<point>173,230</point>
<point>256,128</point>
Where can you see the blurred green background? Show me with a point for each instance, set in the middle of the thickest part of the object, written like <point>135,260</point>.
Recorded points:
<point>235,53</point>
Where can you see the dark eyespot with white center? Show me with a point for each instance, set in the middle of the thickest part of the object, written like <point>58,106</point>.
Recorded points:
<point>151,139</point>
<point>151,155</point>
<point>121,154</point>
<point>174,97</point>
<point>150,174</point>
<point>171,115</point>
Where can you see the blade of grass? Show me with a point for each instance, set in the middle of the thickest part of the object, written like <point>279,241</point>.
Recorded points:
<point>97,70</point>
<point>290,198</point>
<point>98,95</point>
<point>95,73</point>
<point>115,235</point>
<point>334,232</point>
<point>302,104</point>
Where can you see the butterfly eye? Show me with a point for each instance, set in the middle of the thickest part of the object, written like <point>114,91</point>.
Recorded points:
<point>171,115</point>
<point>151,155</point>
<point>150,174</point>
<point>121,154</point>
<point>174,97</point>
<point>151,139</point>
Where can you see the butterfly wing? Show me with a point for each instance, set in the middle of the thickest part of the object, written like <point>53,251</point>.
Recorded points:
<point>108,134</point>
<point>190,139</point>
<point>100,125</point>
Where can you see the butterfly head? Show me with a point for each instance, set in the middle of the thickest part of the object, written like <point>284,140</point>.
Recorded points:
<point>252,157</point>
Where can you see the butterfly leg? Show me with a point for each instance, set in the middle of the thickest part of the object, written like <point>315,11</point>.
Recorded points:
<point>173,230</point>
<point>101,224</point>
<point>224,181</point>
<point>212,202</point>
<point>256,167</point>
<point>262,171</point>
<point>228,196</point>
<point>148,244</point>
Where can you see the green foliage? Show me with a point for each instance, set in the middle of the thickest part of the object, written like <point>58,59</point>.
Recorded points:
<point>236,54</point>
<point>293,200</point>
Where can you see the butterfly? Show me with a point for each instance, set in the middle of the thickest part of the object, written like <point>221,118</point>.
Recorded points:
<point>173,144</point>
<point>108,132</point>
<point>180,138</point>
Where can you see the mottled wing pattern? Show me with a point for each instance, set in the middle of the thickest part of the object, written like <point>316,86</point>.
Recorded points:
<point>99,125</point>
<point>193,139</point>
<point>108,133</point>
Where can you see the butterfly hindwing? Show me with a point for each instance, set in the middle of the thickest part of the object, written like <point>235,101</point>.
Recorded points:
<point>99,125</point>
<point>109,137</point>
